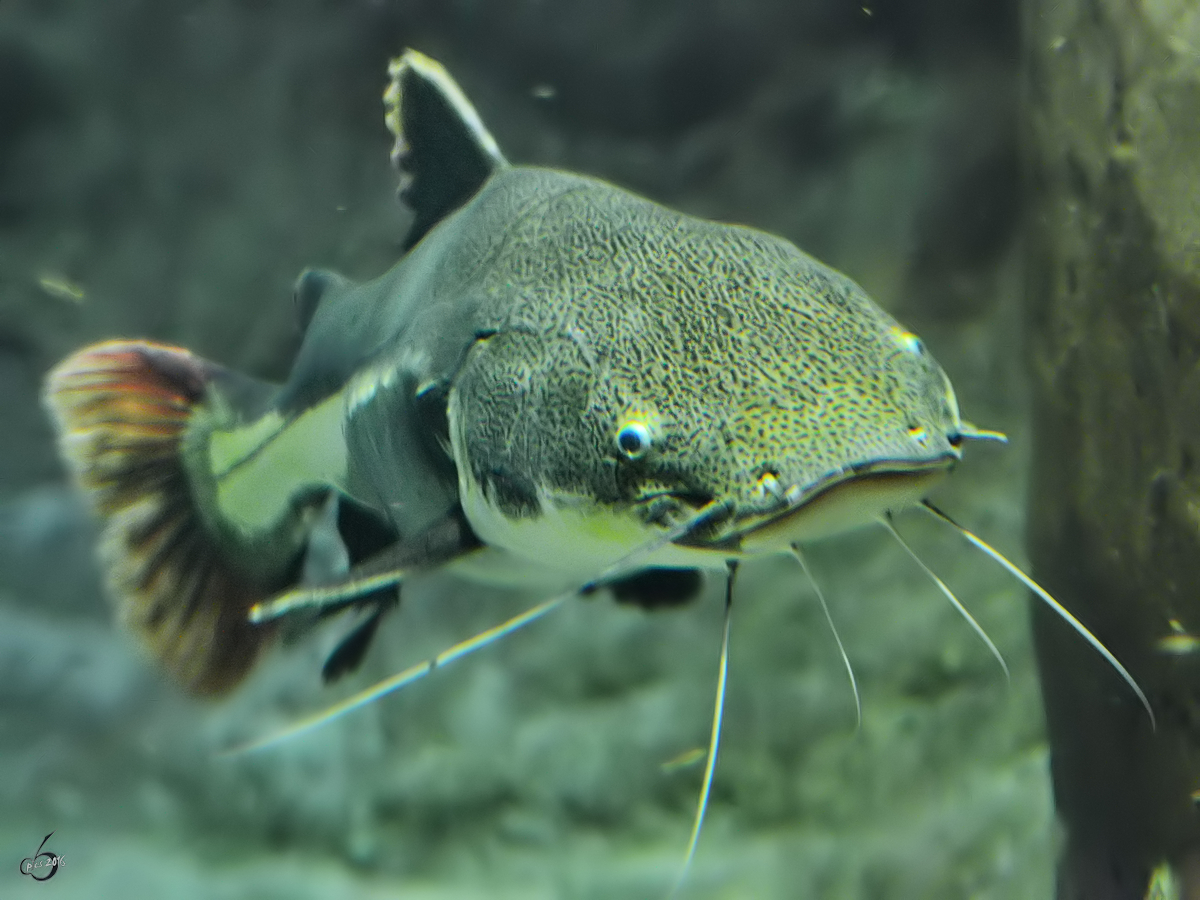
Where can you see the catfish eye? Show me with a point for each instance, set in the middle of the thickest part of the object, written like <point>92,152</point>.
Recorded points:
<point>633,440</point>
<point>908,341</point>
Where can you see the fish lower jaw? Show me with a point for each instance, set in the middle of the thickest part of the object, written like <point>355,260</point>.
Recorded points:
<point>574,542</point>
<point>860,501</point>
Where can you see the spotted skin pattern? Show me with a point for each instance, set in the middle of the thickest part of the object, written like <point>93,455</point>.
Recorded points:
<point>744,355</point>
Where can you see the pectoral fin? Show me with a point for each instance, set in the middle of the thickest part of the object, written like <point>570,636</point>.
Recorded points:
<point>447,540</point>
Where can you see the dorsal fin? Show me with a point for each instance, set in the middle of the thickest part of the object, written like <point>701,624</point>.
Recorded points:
<point>443,151</point>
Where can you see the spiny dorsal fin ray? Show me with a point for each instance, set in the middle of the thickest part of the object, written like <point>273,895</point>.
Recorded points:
<point>354,588</point>
<point>448,539</point>
<point>443,151</point>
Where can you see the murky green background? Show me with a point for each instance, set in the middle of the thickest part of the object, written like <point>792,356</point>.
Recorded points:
<point>180,162</point>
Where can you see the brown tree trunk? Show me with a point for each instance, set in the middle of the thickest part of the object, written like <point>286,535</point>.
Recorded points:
<point>1113,317</point>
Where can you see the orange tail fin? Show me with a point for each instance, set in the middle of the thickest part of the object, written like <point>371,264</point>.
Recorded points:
<point>122,409</point>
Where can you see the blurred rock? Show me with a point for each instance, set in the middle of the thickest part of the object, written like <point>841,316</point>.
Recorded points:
<point>47,552</point>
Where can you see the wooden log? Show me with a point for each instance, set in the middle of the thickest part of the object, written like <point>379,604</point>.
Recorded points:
<point>1112,144</point>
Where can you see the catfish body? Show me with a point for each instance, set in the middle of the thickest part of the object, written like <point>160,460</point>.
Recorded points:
<point>557,372</point>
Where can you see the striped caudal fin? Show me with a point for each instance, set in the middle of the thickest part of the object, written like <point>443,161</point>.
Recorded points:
<point>122,409</point>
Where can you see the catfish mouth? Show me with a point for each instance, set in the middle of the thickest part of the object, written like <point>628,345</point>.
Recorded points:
<point>839,501</point>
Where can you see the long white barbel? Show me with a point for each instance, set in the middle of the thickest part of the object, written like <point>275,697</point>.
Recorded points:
<point>837,637</point>
<point>978,629</point>
<point>714,739</point>
<point>1063,613</point>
